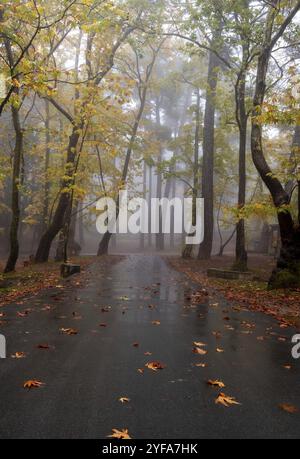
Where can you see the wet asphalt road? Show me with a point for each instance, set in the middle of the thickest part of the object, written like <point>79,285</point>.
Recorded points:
<point>86,374</point>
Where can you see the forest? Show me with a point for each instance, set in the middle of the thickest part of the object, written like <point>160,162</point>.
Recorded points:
<point>164,99</point>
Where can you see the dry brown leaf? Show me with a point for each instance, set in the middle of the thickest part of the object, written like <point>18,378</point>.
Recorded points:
<point>148,353</point>
<point>103,325</point>
<point>199,351</point>
<point>121,434</point>
<point>225,400</point>
<point>289,408</point>
<point>201,365</point>
<point>43,346</point>
<point>219,350</point>
<point>69,331</point>
<point>135,344</point>
<point>155,322</point>
<point>216,383</point>
<point>154,366</point>
<point>141,370</point>
<point>32,383</point>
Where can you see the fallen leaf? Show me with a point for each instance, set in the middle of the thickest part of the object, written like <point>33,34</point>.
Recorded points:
<point>289,408</point>
<point>155,322</point>
<point>103,325</point>
<point>154,366</point>
<point>124,400</point>
<point>219,350</point>
<point>148,353</point>
<point>199,351</point>
<point>287,367</point>
<point>135,344</point>
<point>225,400</point>
<point>43,346</point>
<point>19,355</point>
<point>140,370</point>
<point>69,331</point>
<point>201,365</point>
<point>199,344</point>
<point>32,383</point>
<point>216,383</point>
<point>121,434</point>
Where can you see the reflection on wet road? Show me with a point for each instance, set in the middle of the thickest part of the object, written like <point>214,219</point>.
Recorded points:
<point>132,313</point>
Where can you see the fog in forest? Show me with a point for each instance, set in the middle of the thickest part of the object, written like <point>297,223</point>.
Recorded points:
<point>163,98</point>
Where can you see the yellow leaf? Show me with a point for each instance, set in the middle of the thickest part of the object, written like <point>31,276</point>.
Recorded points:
<point>121,434</point>
<point>216,383</point>
<point>225,400</point>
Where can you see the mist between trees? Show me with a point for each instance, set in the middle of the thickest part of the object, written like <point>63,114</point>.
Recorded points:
<point>162,98</point>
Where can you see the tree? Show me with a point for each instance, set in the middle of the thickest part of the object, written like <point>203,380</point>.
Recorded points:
<point>287,273</point>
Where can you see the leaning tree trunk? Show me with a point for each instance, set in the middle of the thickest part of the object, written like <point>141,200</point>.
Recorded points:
<point>208,158</point>
<point>15,205</point>
<point>287,273</point>
<point>57,223</point>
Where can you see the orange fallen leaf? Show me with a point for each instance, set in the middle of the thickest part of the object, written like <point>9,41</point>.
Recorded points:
<point>289,408</point>
<point>225,400</point>
<point>216,383</point>
<point>121,434</point>
<point>198,344</point>
<point>219,350</point>
<point>32,383</point>
<point>154,366</point>
<point>287,367</point>
<point>199,351</point>
<point>19,355</point>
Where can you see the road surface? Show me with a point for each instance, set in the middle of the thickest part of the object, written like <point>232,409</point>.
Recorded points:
<point>85,375</point>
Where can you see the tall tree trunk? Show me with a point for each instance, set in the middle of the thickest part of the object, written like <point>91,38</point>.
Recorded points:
<point>188,250</point>
<point>45,214</point>
<point>142,236</point>
<point>160,240</point>
<point>205,249</point>
<point>241,262</point>
<point>15,205</point>
<point>149,205</point>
